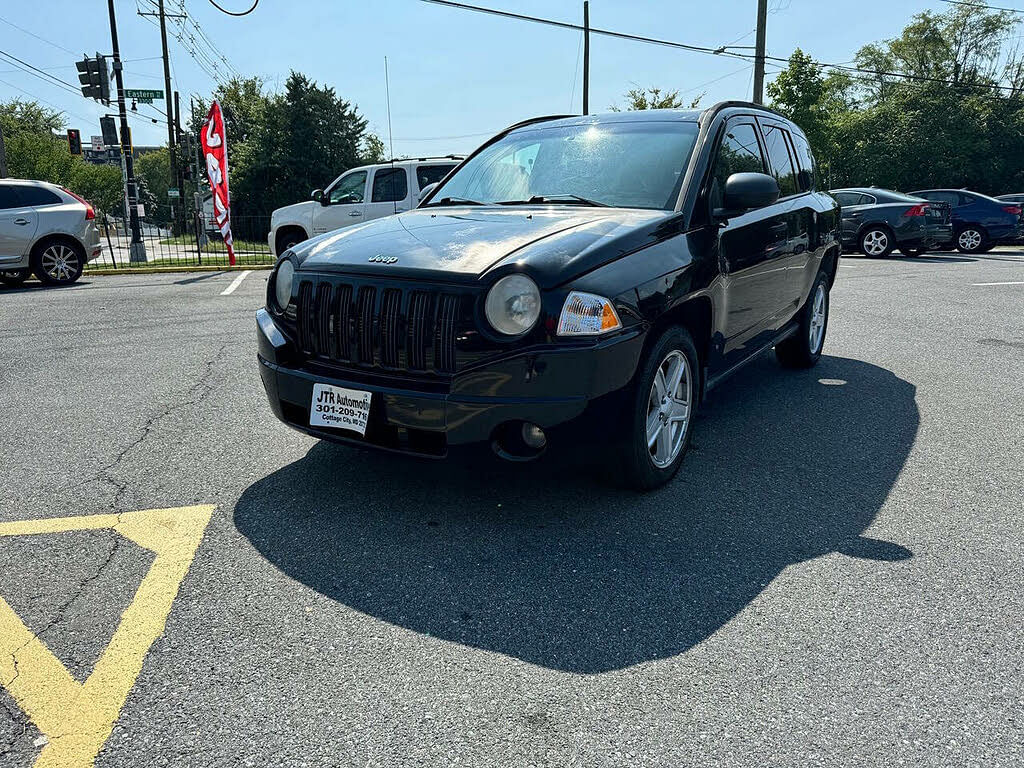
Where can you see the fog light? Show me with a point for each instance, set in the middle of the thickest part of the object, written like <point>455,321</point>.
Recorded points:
<point>534,436</point>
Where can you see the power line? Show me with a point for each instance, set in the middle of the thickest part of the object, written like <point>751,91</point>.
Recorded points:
<point>982,5</point>
<point>37,37</point>
<point>233,13</point>
<point>720,51</point>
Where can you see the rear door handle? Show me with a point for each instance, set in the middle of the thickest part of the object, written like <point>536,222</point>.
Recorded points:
<point>355,213</point>
<point>854,215</point>
<point>21,221</point>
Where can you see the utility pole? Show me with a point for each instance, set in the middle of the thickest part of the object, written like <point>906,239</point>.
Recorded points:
<point>137,249</point>
<point>167,101</point>
<point>762,18</point>
<point>586,57</point>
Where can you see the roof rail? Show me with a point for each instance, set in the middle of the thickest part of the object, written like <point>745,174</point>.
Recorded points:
<point>714,108</point>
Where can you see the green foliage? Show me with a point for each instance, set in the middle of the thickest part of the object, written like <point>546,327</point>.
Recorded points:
<point>281,146</point>
<point>655,98</point>
<point>945,124</point>
<point>153,174</point>
<point>34,152</point>
<point>101,185</point>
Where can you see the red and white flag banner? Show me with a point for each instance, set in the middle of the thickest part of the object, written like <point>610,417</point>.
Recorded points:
<point>215,149</point>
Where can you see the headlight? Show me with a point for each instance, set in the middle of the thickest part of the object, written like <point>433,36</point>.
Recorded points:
<point>283,283</point>
<point>513,305</point>
<point>585,314</point>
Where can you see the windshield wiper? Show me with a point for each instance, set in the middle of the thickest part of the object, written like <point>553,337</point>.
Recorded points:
<point>563,199</point>
<point>453,201</point>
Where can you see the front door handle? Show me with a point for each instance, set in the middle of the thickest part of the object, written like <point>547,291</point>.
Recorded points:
<point>355,213</point>
<point>21,221</point>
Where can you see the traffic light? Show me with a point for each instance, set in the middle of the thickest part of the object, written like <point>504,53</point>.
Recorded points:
<point>109,130</point>
<point>95,80</point>
<point>74,141</point>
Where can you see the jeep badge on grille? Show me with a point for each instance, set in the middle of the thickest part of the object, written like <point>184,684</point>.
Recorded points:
<point>381,259</point>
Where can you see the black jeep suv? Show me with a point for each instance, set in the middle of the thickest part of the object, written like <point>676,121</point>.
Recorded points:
<point>576,280</point>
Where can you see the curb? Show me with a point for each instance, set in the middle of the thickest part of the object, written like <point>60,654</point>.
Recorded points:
<point>167,270</point>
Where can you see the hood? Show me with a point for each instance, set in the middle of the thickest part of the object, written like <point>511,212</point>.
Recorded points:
<point>553,243</point>
<point>293,212</point>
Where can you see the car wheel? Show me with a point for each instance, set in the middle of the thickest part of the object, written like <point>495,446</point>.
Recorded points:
<point>58,262</point>
<point>971,239</point>
<point>876,242</point>
<point>803,348</point>
<point>664,405</point>
<point>14,277</point>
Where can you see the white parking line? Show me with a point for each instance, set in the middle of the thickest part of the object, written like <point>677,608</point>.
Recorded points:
<point>236,282</point>
<point>1011,282</point>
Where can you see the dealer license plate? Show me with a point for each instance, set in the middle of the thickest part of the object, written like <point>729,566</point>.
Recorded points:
<point>339,408</point>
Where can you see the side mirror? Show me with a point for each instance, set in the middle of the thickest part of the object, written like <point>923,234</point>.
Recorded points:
<point>318,196</point>
<point>745,192</point>
<point>426,190</point>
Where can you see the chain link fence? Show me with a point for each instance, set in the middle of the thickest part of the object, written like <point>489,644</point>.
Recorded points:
<point>177,236</point>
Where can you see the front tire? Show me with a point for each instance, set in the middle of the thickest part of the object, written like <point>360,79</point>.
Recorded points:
<point>803,349</point>
<point>664,404</point>
<point>876,242</point>
<point>58,262</point>
<point>12,278</point>
<point>971,239</point>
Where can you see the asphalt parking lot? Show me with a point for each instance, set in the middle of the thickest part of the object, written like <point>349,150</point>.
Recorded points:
<point>834,578</point>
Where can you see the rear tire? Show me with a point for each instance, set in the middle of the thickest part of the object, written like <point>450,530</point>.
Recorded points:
<point>803,349</point>
<point>664,404</point>
<point>58,262</point>
<point>12,278</point>
<point>971,239</point>
<point>876,242</point>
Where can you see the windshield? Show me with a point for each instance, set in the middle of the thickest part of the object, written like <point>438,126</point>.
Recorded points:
<point>627,165</point>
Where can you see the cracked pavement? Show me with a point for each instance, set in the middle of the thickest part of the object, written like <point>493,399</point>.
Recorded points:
<point>834,578</point>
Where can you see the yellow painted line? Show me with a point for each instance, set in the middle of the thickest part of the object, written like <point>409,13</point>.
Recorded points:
<point>77,718</point>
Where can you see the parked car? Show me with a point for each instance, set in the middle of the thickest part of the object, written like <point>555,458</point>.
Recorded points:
<point>44,229</point>
<point>875,221</point>
<point>358,195</point>
<point>580,281</point>
<point>980,222</point>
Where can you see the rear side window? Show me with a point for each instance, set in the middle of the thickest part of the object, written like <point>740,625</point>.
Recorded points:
<point>38,196</point>
<point>782,163</point>
<point>390,185</point>
<point>431,174</point>
<point>9,197</point>
<point>848,198</point>
<point>807,178</point>
<point>740,152</point>
<point>952,198</point>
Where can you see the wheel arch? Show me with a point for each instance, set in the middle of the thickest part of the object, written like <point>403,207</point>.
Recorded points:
<point>286,229</point>
<point>696,314</point>
<point>57,237</point>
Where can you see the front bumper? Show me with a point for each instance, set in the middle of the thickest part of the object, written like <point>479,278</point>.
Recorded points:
<point>552,387</point>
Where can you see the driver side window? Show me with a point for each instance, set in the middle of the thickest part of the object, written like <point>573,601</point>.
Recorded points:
<point>351,189</point>
<point>740,152</point>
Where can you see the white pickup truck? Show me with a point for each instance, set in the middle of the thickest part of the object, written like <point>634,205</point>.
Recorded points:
<point>360,194</point>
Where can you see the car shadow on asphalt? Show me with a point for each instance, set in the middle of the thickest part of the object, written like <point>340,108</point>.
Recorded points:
<point>548,564</point>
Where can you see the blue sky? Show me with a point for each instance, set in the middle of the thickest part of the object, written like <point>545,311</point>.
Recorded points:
<point>456,76</point>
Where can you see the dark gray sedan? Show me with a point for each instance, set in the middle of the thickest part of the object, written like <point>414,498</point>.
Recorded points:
<point>875,221</point>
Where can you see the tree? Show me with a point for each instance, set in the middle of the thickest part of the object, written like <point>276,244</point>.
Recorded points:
<point>929,111</point>
<point>373,150</point>
<point>654,98</point>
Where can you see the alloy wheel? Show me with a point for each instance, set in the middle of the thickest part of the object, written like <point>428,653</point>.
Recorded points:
<point>668,409</point>
<point>60,263</point>
<point>876,242</point>
<point>969,240</point>
<point>819,309</point>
